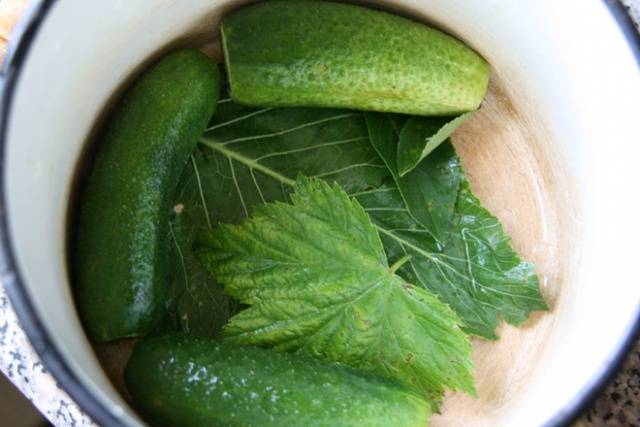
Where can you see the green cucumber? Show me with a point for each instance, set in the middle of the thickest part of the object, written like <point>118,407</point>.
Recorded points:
<point>315,53</point>
<point>181,380</point>
<point>119,251</point>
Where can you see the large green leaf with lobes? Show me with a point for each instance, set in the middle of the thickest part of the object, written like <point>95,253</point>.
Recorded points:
<point>315,275</point>
<point>459,251</point>
<point>247,157</point>
<point>474,269</point>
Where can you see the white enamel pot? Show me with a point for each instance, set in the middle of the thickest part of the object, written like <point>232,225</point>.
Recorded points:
<point>554,152</point>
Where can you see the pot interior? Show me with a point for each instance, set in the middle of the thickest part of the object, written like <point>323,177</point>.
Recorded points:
<point>533,153</point>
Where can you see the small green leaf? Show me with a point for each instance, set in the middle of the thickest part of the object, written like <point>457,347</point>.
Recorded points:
<point>429,191</point>
<point>317,279</point>
<point>421,135</point>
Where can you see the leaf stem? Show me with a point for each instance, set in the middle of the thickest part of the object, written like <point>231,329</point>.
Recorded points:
<point>399,263</point>
<point>246,161</point>
<point>204,202</point>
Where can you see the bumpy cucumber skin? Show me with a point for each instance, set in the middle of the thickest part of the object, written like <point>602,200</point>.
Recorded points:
<point>191,381</point>
<point>119,254</point>
<point>315,53</point>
